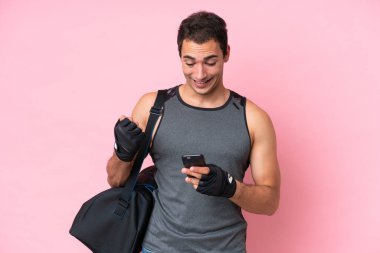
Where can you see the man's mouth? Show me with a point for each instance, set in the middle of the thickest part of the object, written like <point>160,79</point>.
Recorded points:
<point>201,84</point>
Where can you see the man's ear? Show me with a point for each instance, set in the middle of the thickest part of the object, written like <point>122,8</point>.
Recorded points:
<point>227,56</point>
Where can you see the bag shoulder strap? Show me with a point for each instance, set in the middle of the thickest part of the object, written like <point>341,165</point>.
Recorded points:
<point>155,113</point>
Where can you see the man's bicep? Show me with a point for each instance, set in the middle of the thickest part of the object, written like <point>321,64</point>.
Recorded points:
<point>264,163</point>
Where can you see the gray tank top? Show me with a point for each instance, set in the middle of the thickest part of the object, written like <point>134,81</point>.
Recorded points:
<point>184,220</point>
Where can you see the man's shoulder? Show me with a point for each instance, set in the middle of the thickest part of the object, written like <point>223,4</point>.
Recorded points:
<point>253,108</point>
<point>142,108</point>
<point>148,98</point>
<point>140,113</point>
<point>258,119</point>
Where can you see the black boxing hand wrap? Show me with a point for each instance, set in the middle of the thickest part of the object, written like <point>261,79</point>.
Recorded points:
<point>128,139</point>
<point>217,183</point>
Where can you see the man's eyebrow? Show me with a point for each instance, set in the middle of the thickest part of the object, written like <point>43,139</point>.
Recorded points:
<point>210,57</point>
<point>189,57</point>
<point>206,58</point>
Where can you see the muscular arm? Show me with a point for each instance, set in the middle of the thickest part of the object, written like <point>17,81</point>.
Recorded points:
<point>263,197</point>
<point>118,171</point>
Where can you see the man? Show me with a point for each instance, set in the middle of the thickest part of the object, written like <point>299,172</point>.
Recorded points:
<point>198,209</point>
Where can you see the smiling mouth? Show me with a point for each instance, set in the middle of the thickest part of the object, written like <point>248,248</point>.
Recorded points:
<point>201,83</point>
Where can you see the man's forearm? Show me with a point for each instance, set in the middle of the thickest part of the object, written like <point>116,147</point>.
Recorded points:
<point>118,171</point>
<point>257,199</point>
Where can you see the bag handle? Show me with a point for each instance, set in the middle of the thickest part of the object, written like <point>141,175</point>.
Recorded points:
<point>155,113</point>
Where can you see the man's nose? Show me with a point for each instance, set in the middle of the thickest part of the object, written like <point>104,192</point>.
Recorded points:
<point>200,72</point>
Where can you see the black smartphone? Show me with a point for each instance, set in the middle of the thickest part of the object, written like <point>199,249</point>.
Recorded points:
<point>193,160</point>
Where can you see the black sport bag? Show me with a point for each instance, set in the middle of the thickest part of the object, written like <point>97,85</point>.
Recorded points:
<point>115,220</point>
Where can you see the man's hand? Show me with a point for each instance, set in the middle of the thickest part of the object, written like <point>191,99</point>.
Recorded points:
<point>211,180</point>
<point>128,139</point>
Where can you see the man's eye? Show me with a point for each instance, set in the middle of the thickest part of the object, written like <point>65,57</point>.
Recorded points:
<point>190,64</point>
<point>211,63</point>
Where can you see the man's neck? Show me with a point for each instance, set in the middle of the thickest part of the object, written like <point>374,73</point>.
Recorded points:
<point>215,98</point>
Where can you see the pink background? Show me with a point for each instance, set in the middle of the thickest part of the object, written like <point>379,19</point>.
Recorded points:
<point>68,69</point>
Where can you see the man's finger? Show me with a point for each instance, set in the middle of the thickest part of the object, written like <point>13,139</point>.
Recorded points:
<point>201,170</point>
<point>190,173</point>
<point>192,180</point>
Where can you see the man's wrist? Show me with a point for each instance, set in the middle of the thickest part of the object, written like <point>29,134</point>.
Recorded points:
<point>121,154</point>
<point>121,161</point>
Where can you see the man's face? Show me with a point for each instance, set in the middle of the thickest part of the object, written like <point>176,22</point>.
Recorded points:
<point>202,65</point>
